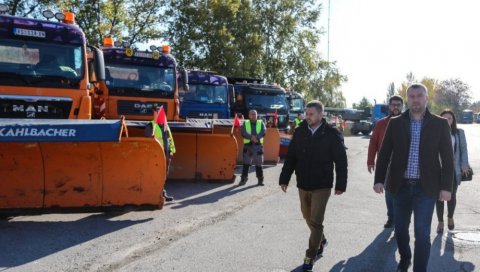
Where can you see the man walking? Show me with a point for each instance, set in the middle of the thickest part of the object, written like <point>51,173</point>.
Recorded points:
<point>395,104</point>
<point>417,151</point>
<point>314,151</point>
<point>253,132</point>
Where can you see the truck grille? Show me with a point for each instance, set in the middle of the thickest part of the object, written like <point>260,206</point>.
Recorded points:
<point>138,108</point>
<point>34,107</point>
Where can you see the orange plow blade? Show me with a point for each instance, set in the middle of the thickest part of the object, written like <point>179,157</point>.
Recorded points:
<point>203,156</point>
<point>271,146</point>
<point>81,174</point>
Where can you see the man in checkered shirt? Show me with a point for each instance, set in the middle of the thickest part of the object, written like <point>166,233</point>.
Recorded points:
<point>416,161</point>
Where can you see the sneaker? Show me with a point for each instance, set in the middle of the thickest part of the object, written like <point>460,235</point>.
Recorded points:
<point>323,245</point>
<point>403,265</point>
<point>307,264</point>
<point>389,224</point>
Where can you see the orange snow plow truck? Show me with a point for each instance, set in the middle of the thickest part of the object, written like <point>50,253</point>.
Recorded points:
<point>136,82</point>
<point>52,155</point>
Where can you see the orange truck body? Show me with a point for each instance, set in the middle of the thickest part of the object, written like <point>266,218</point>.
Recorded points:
<point>44,75</point>
<point>138,81</point>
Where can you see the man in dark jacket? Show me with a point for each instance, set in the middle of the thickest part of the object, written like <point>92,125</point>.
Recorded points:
<point>416,161</point>
<point>313,151</point>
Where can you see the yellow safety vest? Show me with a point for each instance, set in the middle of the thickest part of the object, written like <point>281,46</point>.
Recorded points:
<point>297,122</point>
<point>158,133</point>
<point>248,128</point>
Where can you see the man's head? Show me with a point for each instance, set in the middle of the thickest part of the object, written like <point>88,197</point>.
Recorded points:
<point>252,115</point>
<point>314,113</point>
<point>395,104</point>
<point>417,98</point>
<point>300,116</point>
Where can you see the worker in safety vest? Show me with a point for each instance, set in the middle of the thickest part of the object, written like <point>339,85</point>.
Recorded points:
<point>297,121</point>
<point>253,132</point>
<point>166,140</point>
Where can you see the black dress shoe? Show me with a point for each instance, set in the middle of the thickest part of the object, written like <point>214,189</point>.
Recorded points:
<point>403,265</point>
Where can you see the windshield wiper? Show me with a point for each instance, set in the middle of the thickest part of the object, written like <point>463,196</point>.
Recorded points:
<point>15,75</point>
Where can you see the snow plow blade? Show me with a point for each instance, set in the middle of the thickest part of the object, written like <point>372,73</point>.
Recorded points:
<point>201,153</point>
<point>271,147</point>
<point>44,168</point>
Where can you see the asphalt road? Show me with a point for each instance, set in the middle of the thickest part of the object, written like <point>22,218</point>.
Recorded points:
<point>218,227</point>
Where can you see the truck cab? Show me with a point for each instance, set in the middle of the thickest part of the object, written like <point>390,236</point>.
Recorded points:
<point>135,83</point>
<point>207,96</point>
<point>467,117</point>
<point>43,73</point>
<point>270,101</point>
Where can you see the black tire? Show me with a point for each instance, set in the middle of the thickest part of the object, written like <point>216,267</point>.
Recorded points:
<point>353,131</point>
<point>365,133</point>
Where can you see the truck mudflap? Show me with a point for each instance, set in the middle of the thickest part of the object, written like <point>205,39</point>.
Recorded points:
<point>73,164</point>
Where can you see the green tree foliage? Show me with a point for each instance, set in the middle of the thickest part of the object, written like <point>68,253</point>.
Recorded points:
<point>132,21</point>
<point>453,94</point>
<point>30,8</point>
<point>362,104</point>
<point>390,91</point>
<point>276,40</point>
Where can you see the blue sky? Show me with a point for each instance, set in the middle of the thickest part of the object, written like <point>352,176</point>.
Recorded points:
<point>375,42</point>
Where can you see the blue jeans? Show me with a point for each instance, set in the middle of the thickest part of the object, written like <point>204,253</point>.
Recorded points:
<point>389,201</point>
<point>411,198</point>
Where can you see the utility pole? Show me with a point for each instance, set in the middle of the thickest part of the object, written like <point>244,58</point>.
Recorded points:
<point>328,33</point>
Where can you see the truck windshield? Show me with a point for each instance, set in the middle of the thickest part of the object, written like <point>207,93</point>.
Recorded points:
<point>29,63</point>
<point>203,93</point>
<point>297,105</point>
<point>274,101</point>
<point>134,80</point>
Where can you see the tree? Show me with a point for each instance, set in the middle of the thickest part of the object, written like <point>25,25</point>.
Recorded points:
<point>362,104</point>
<point>28,8</point>
<point>453,94</point>
<point>390,91</point>
<point>131,21</point>
<point>475,107</point>
<point>275,40</point>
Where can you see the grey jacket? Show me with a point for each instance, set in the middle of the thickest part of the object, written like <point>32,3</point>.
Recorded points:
<point>460,155</point>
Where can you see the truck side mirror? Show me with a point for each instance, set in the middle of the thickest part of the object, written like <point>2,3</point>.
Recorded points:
<point>231,94</point>
<point>184,76</point>
<point>97,65</point>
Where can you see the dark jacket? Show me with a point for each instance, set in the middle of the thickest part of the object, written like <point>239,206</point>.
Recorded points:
<point>436,154</point>
<point>312,157</point>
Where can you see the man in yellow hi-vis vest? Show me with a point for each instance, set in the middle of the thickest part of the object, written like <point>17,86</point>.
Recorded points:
<point>297,121</point>
<point>253,132</point>
<point>153,129</point>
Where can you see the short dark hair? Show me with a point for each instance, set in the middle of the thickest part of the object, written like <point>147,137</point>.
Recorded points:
<point>453,127</point>
<point>418,86</point>
<point>315,104</point>
<point>395,98</point>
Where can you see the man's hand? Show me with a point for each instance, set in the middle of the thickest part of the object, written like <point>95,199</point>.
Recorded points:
<point>284,187</point>
<point>254,139</point>
<point>444,196</point>
<point>371,168</point>
<point>337,192</point>
<point>378,188</point>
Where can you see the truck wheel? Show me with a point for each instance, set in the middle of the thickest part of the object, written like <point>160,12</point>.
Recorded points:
<point>365,133</point>
<point>353,131</point>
